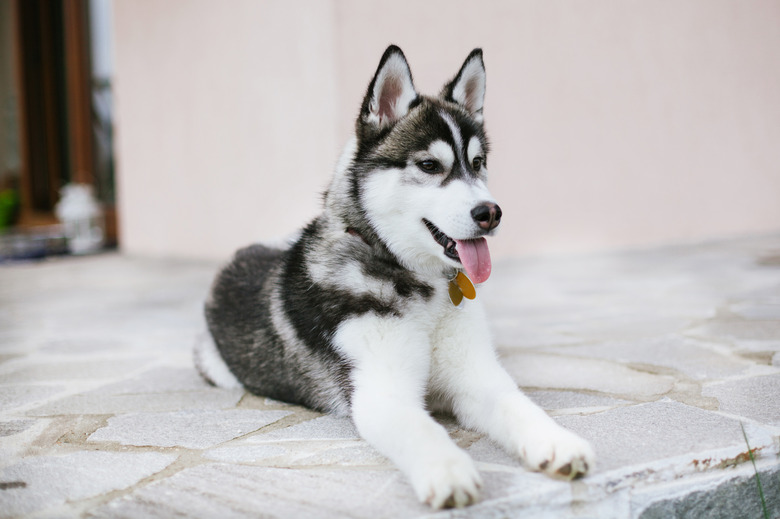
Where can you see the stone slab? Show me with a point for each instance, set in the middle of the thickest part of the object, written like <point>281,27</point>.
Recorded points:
<point>246,453</point>
<point>338,454</point>
<point>156,390</point>
<point>74,370</point>
<point>644,433</point>
<point>574,402</point>
<point>160,380</point>
<point>12,427</point>
<point>236,491</point>
<point>326,427</point>
<point>757,398</point>
<point>760,310</point>
<point>84,343</point>
<point>296,454</point>
<point>544,371</point>
<point>692,358</point>
<point>23,394</point>
<point>486,451</point>
<point>38,483</point>
<point>630,327</point>
<point>739,330</point>
<point>190,429</point>
<point>97,403</point>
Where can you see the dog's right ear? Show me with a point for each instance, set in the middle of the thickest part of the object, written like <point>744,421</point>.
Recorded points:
<point>468,87</point>
<point>391,92</point>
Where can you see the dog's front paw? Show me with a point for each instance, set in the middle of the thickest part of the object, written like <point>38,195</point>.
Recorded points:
<point>448,481</point>
<point>557,452</point>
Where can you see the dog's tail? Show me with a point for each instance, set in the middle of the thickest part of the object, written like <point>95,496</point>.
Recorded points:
<point>210,365</point>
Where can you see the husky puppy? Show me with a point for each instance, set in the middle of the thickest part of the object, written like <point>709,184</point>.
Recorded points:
<point>362,314</point>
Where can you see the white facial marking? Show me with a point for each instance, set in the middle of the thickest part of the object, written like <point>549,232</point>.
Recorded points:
<point>442,152</point>
<point>456,136</point>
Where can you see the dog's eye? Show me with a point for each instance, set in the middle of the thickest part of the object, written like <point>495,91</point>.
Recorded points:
<point>477,163</point>
<point>430,166</point>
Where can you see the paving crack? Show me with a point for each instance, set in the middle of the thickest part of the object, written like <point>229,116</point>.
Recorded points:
<point>186,458</point>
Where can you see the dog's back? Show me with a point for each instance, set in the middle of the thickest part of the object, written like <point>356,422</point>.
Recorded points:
<point>255,338</point>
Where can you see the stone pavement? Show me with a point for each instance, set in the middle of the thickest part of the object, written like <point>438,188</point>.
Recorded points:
<point>657,357</point>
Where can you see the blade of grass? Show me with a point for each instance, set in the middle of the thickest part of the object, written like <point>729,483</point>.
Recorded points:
<point>758,479</point>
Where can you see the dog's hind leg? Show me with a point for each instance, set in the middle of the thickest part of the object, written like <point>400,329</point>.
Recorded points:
<point>389,378</point>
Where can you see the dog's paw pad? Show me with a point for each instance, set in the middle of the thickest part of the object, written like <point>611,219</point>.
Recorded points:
<point>451,482</point>
<point>575,469</point>
<point>458,499</point>
<point>558,453</point>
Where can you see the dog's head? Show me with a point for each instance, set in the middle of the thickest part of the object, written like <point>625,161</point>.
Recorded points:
<point>417,170</point>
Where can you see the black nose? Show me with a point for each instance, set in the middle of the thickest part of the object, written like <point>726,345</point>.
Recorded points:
<point>487,215</point>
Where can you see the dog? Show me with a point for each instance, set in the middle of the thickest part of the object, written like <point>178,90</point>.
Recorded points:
<point>370,312</point>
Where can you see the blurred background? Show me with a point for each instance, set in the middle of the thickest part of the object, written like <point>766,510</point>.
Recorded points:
<point>203,126</point>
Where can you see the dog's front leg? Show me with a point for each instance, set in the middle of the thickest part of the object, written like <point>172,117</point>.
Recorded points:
<point>391,361</point>
<point>484,397</point>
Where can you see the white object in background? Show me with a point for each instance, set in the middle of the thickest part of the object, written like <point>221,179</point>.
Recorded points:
<point>82,216</point>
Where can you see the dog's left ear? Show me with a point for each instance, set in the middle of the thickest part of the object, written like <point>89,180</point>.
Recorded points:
<point>468,87</point>
<point>391,92</point>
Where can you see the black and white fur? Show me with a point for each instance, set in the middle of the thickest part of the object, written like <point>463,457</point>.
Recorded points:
<point>354,317</point>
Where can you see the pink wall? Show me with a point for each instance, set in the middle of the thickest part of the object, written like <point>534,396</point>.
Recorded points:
<point>614,124</point>
<point>225,121</point>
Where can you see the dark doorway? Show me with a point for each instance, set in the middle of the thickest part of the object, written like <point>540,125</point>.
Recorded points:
<point>64,125</point>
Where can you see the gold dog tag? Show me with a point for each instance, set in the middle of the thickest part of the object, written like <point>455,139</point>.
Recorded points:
<point>466,286</point>
<point>461,287</point>
<point>456,296</point>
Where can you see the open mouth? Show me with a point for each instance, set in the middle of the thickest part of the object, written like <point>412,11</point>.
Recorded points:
<point>472,254</point>
<point>442,239</point>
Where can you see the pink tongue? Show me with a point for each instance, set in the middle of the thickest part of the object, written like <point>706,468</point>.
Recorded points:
<point>475,256</point>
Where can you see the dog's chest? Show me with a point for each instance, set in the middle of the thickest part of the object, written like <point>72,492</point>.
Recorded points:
<point>438,316</point>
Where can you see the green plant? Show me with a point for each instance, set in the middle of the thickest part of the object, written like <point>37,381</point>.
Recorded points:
<point>755,469</point>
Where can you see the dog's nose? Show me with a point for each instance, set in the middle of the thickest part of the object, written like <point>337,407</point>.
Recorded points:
<point>487,215</point>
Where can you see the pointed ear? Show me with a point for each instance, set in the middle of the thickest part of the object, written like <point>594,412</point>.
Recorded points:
<point>391,92</point>
<point>468,87</point>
